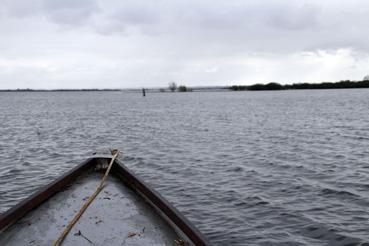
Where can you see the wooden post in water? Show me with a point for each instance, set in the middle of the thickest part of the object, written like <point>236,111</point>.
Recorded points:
<point>143,92</point>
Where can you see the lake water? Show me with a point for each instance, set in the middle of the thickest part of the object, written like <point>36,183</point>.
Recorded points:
<point>247,168</point>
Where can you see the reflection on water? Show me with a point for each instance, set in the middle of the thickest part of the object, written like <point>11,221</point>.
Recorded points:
<point>248,168</point>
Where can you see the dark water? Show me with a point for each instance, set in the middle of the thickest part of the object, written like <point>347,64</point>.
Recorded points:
<point>248,168</point>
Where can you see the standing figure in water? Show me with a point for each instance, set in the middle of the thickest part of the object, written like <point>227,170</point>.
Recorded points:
<point>143,92</point>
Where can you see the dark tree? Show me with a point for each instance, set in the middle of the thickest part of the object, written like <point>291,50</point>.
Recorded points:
<point>182,88</point>
<point>172,86</point>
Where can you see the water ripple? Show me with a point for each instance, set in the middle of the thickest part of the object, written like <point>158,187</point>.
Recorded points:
<point>253,168</point>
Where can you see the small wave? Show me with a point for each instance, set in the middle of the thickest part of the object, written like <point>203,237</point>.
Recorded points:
<point>340,193</point>
<point>251,201</point>
<point>330,235</point>
<point>13,171</point>
<point>235,169</point>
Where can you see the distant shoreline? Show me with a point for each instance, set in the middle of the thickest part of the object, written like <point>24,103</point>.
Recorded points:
<point>55,90</point>
<point>345,84</point>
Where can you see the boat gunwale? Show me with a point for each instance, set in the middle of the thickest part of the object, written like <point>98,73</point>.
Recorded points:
<point>160,203</point>
<point>42,194</point>
<point>128,177</point>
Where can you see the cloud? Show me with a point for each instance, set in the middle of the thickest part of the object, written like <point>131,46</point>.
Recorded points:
<point>20,8</point>
<point>69,12</point>
<point>300,17</point>
<point>63,12</point>
<point>143,43</point>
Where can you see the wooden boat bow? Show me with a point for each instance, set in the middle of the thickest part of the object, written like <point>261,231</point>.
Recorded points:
<point>183,227</point>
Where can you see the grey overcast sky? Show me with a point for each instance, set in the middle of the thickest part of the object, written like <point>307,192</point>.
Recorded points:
<point>134,43</point>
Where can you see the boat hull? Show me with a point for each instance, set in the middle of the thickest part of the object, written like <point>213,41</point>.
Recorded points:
<point>128,211</point>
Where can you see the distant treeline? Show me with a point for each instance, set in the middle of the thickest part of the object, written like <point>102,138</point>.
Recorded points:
<point>298,86</point>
